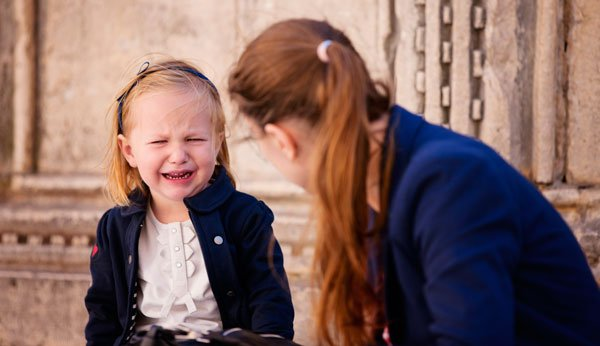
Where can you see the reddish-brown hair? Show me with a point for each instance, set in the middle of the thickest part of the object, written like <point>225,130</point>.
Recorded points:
<point>278,76</point>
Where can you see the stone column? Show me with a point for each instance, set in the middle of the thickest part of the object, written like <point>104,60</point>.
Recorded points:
<point>409,59</point>
<point>24,86</point>
<point>7,38</point>
<point>507,79</point>
<point>545,91</point>
<point>583,59</point>
<point>433,67</point>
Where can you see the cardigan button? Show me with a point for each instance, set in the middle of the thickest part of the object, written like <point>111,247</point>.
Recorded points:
<point>218,240</point>
<point>230,293</point>
<point>129,259</point>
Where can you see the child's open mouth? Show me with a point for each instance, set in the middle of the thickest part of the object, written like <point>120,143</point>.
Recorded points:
<point>177,175</point>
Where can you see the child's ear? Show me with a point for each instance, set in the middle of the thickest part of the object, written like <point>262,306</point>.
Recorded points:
<point>283,139</point>
<point>126,150</point>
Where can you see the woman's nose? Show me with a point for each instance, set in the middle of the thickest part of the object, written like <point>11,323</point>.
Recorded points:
<point>178,154</point>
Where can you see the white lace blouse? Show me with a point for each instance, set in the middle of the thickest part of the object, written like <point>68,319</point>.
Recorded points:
<point>173,286</point>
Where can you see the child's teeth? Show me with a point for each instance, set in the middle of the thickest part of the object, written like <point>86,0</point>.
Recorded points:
<point>173,176</point>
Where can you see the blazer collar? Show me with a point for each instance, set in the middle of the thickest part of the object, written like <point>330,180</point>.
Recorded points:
<point>403,128</point>
<point>214,195</point>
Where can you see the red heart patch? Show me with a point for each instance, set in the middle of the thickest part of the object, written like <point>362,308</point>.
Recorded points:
<point>95,250</point>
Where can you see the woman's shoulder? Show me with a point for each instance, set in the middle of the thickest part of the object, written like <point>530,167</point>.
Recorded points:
<point>455,153</point>
<point>442,161</point>
<point>419,142</point>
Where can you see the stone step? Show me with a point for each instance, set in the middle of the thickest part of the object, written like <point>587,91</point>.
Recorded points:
<point>40,220</point>
<point>93,185</point>
<point>56,232</point>
<point>73,203</point>
<point>51,258</point>
<point>43,219</point>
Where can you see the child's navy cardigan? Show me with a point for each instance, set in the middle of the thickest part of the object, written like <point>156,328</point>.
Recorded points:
<point>235,234</point>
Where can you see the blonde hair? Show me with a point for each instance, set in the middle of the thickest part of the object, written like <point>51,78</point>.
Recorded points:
<point>123,179</point>
<point>279,75</point>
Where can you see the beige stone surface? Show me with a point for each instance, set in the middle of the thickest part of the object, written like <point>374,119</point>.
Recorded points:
<point>507,77</point>
<point>24,98</point>
<point>583,55</point>
<point>89,50</point>
<point>460,82</point>
<point>407,59</point>
<point>433,69</point>
<point>366,23</point>
<point>46,310</point>
<point>6,78</point>
<point>545,91</point>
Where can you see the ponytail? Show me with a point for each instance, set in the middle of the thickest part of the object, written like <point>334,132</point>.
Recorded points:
<point>341,200</point>
<point>280,75</point>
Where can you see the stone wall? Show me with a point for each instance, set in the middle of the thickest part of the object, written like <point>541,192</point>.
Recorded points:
<point>7,43</point>
<point>582,48</point>
<point>521,75</point>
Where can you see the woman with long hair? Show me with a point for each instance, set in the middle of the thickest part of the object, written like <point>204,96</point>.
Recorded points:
<point>424,236</point>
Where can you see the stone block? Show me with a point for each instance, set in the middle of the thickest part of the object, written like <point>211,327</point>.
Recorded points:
<point>590,243</point>
<point>302,297</point>
<point>572,217</point>
<point>42,311</point>
<point>562,197</point>
<point>507,75</point>
<point>590,197</point>
<point>583,50</point>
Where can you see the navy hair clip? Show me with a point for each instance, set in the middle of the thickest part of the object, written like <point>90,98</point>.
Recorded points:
<point>143,69</point>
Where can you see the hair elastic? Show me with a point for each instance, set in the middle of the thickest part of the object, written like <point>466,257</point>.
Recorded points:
<point>142,72</point>
<point>322,51</point>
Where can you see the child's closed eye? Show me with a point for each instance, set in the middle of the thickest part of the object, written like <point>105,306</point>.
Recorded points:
<point>196,139</point>
<point>158,141</point>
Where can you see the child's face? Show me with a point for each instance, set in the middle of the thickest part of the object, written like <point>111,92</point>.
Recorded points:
<point>172,144</point>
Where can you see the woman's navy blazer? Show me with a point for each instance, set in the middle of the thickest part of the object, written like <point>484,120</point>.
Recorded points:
<point>473,253</point>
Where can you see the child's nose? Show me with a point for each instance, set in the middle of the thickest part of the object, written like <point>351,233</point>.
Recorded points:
<point>178,154</point>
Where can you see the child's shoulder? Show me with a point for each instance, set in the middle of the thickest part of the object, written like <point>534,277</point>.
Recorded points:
<point>242,210</point>
<point>243,201</point>
<point>119,217</point>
